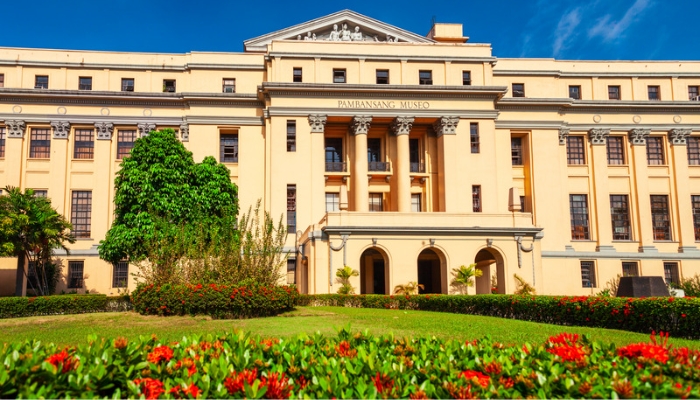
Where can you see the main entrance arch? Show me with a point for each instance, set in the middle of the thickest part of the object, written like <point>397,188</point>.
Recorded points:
<point>431,272</point>
<point>490,262</point>
<point>374,272</point>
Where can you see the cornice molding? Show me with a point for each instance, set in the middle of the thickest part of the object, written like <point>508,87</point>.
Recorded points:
<point>134,120</point>
<point>378,57</point>
<point>377,113</point>
<point>688,255</point>
<point>432,92</point>
<point>520,124</point>
<point>591,74</point>
<point>432,230</point>
<point>144,67</point>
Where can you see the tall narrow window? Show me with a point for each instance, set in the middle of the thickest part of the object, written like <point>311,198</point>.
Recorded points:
<point>297,75</point>
<point>374,155</point>
<point>2,80</point>
<point>120,274</point>
<point>41,82</point>
<point>474,136</point>
<point>84,145</point>
<point>620,215</point>
<point>655,150</point>
<point>466,78</point>
<point>75,274</point>
<point>169,85</point>
<point>416,202</point>
<point>671,274</point>
<point>85,83</point>
<point>125,142</point>
<point>382,76</point>
<point>575,152</point>
<point>291,208</point>
<point>616,152</point>
<point>414,156</point>
<point>476,198</point>
<point>693,144</point>
<point>694,93</point>
<point>695,201</point>
<point>81,213</point>
<point>228,144</point>
<point>522,204</point>
<point>575,92</point>
<point>654,92</point>
<point>588,274</point>
<point>291,271</point>
<point>425,77</point>
<point>339,76</point>
<point>518,90</point>
<point>334,155</point>
<point>332,202</point>
<point>291,136</point>
<point>579,216</point>
<point>613,93</point>
<point>630,268</point>
<point>229,85</point>
<point>3,136</point>
<point>40,143</point>
<point>127,84</point>
<point>376,202</point>
<point>516,151</point>
<point>660,217</point>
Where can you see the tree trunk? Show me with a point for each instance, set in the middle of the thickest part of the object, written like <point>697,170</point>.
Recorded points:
<point>20,282</point>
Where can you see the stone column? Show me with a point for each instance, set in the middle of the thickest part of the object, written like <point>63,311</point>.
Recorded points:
<point>61,156</point>
<point>640,188</point>
<point>681,184</point>
<point>401,128</point>
<point>360,186</point>
<point>446,130</point>
<point>105,156</point>
<point>317,123</point>
<point>600,202</point>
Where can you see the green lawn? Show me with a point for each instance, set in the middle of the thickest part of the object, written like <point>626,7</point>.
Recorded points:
<point>73,329</point>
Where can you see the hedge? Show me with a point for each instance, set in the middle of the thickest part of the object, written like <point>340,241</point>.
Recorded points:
<point>678,316</point>
<point>15,307</point>
<point>246,300</point>
<point>348,366</point>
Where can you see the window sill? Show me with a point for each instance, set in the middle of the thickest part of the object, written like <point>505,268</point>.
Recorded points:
<point>666,241</point>
<point>83,239</point>
<point>83,159</point>
<point>625,241</point>
<point>583,241</point>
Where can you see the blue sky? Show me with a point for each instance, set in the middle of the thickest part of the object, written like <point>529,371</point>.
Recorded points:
<point>563,29</point>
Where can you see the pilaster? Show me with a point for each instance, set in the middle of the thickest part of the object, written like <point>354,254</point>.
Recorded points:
<point>448,153</point>
<point>401,126</point>
<point>681,187</point>
<point>318,164</point>
<point>601,191</point>
<point>14,152</point>
<point>640,187</point>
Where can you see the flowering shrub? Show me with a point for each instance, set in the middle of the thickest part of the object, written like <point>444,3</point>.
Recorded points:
<point>678,316</point>
<point>15,307</point>
<point>218,301</point>
<point>348,366</point>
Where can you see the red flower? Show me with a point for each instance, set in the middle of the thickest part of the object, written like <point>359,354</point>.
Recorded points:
<point>383,383</point>
<point>277,386</point>
<point>151,388</point>
<point>236,382</point>
<point>493,368</point>
<point>506,382</point>
<point>160,353</point>
<point>476,377</point>
<point>191,390</point>
<point>564,338</point>
<point>302,382</point>
<point>568,352</point>
<point>683,315</point>
<point>64,360</point>
<point>653,351</point>
<point>343,349</point>
<point>189,364</point>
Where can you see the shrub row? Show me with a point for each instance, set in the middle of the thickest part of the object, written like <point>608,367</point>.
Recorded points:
<point>15,307</point>
<point>218,301</point>
<point>678,316</point>
<point>349,366</point>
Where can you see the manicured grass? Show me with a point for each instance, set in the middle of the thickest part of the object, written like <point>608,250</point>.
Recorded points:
<point>73,329</point>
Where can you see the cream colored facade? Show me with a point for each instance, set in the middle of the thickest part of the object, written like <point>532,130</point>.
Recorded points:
<point>377,148</point>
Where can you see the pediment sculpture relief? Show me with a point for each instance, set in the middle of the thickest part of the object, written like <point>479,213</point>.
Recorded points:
<point>344,34</point>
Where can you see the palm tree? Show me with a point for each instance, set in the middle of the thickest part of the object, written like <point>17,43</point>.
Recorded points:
<point>523,287</point>
<point>462,278</point>
<point>343,276</point>
<point>410,288</point>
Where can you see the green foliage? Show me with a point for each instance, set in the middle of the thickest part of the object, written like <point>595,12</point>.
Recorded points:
<point>691,286</point>
<point>244,300</point>
<point>611,287</point>
<point>462,277</point>
<point>162,194</point>
<point>349,365</point>
<point>15,307</point>
<point>343,276</point>
<point>410,288</point>
<point>522,286</point>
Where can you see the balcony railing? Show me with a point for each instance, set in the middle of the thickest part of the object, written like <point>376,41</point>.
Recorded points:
<point>336,167</point>
<point>418,167</point>
<point>379,166</point>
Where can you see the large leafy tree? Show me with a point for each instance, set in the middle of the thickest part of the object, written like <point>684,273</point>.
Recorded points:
<point>31,229</point>
<point>160,191</point>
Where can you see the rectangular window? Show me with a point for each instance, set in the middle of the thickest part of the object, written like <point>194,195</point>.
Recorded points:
<point>40,143</point>
<point>120,276</point>
<point>575,92</point>
<point>575,152</point>
<point>229,148</point>
<point>81,213</point>
<point>476,198</point>
<point>693,144</point>
<point>125,142</point>
<point>382,76</point>
<point>579,216</point>
<point>416,202</point>
<point>694,93</point>
<point>630,268</point>
<point>84,145</point>
<point>3,136</point>
<point>620,215</point>
<point>654,92</point>
<point>374,156</point>
<point>613,93</point>
<point>2,80</point>
<point>518,90</point>
<point>75,274</point>
<point>229,85</point>
<point>695,201</point>
<point>40,193</point>
<point>41,82</point>
<point>85,83</point>
<point>291,271</point>
<point>376,202</point>
<point>297,75</point>
<point>474,137</point>
<point>332,202</point>
<point>466,78</point>
<point>414,156</point>
<point>660,217</point>
<point>516,151</point>
<point>671,274</point>
<point>169,85</point>
<point>339,76</point>
<point>334,155</point>
<point>522,204</point>
<point>655,150</point>
<point>425,77</point>
<point>588,274</point>
<point>291,208</point>
<point>616,152</point>
<point>127,84</point>
<point>291,136</point>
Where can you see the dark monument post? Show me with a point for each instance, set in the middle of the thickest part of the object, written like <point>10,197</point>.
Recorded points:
<point>642,286</point>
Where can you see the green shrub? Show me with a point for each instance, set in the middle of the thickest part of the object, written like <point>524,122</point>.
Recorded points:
<point>246,300</point>
<point>15,307</point>
<point>691,286</point>
<point>678,316</point>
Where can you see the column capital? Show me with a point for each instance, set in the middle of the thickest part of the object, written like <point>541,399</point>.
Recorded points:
<point>638,136</point>
<point>360,124</point>
<point>402,125</point>
<point>61,129</point>
<point>184,132</point>
<point>598,136</point>
<point>563,134</point>
<point>446,126</point>
<point>317,123</point>
<point>15,128</point>
<point>104,130</point>
<point>678,136</point>
<point>145,128</point>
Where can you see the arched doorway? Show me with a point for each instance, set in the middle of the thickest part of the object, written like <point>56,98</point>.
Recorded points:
<point>374,272</point>
<point>490,262</point>
<point>430,272</point>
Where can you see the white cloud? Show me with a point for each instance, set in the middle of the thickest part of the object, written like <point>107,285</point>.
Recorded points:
<point>610,30</point>
<point>566,30</point>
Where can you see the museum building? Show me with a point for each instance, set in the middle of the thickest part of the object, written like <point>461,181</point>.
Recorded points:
<point>400,155</point>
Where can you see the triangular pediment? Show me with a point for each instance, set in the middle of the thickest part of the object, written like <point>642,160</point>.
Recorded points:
<point>343,27</point>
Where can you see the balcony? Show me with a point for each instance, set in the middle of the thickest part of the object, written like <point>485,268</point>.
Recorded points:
<point>336,167</point>
<point>417,167</point>
<point>379,166</point>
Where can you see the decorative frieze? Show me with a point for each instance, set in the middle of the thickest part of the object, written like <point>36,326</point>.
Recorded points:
<point>563,134</point>
<point>15,128</point>
<point>677,137</point>
<point>360,125</point>
<point>184,132</point>
<point>446,126</point>
<point>61,129</point>
<point>104,130</point>
<point>598,136</point>
<point>317,123</point>
<point>402,125</point>
<point>638,137</point>
<point>145,128</point>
